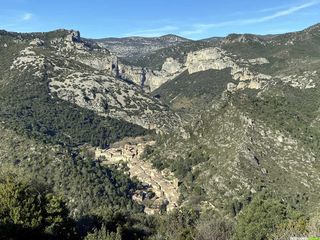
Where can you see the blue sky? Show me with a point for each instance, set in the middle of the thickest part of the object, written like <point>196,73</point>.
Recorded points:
<point>193,19</point>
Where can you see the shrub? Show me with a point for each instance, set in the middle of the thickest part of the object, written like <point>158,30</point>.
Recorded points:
<point>260,219</point>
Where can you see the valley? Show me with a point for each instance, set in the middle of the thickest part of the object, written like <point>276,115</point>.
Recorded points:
<point>160,138</point>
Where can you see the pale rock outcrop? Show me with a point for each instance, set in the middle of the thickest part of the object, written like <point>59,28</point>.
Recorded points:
<point>171,66</point>
<point>109,96</point>
<point>73,36</point>
<point>36,42</point>
<point>242,85</point>
<point>254,85</point>
<point>151,79</point>
<point>231,87</point>
<point>27,58</point>
<point>218,59</point>
<point>209,58</point>
<point>202,60</point>
<point>98,62</point>
<point>258,61</point>
<point>304,81</point>
<point>148,79</point>
<point>132,73</point>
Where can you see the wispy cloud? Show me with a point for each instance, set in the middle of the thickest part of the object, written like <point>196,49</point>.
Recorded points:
<point>201,28</point>
<point>153,32</point>
<point>271,9</point>
<point>27,16</point>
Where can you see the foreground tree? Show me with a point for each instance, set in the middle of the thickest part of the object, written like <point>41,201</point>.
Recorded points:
<point>266,217</point>
<point>29,211</point>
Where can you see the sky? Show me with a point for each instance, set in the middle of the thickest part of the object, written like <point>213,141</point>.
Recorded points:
<point>194,19</point>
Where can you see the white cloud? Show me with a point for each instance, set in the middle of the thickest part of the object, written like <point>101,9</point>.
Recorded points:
<point>201,28</point>
<point>27,16</point>
<point>154,32</point>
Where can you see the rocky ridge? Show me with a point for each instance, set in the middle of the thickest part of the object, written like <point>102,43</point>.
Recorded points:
<point>93,85</point>
<point>202,60</point>
<point>138,46</point>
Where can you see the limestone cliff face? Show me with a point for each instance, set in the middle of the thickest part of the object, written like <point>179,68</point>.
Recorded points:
<point>90,78</point>
<point>218,59</point>
<point>109,96</point>
<point>73,36</point>
<point>171,68</point>
<point>148,79</point>
<point>206,59</point>
<point>210,58</point>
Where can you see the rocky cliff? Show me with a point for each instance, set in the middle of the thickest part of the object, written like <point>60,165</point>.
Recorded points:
<point>89,76</point>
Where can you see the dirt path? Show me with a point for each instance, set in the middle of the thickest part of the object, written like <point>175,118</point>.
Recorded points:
<point>163,184</point>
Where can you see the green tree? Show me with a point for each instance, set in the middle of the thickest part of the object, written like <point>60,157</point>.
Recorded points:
<point>260,219</point>
<point>103,234</point>
<point>28,209</point>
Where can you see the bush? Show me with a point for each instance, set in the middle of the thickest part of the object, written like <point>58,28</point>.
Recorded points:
<point>103,234</point>
<point>212,227</point>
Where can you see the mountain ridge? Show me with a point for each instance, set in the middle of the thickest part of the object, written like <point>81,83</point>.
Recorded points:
<point>233,122</point>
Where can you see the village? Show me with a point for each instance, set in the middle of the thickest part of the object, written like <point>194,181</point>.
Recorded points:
<point>160,188</point>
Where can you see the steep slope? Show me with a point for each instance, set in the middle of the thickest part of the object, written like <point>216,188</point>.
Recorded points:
<point>28,107</point>
<point>59,97</point>
<point>81,74</point>
<point>85,185</point>
<point>251,103</point>
<point>190,92</point>
<point>155,60</point>
<point>287,54</point>
<point>227,155</point>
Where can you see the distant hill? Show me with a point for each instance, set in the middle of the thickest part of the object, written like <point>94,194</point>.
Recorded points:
<point>138,46</point>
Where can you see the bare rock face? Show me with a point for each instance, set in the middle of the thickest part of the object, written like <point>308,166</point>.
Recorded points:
<point>210,58</point>
<point>218,59</point>
<point>99,62</point>
<point>258,61</point>
<point>149,79</point>
<point>202,60</point>
<point>131,73</point>
<point>93,79</point>
<point>109,96</point>
<point>231,87</point>
<point>171,68</point>
<point>73,36</point>
<point>305,80</point>
<point>36,42</point>
<point>243,38</point>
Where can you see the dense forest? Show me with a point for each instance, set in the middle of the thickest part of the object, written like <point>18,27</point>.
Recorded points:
<point>31,210</point>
